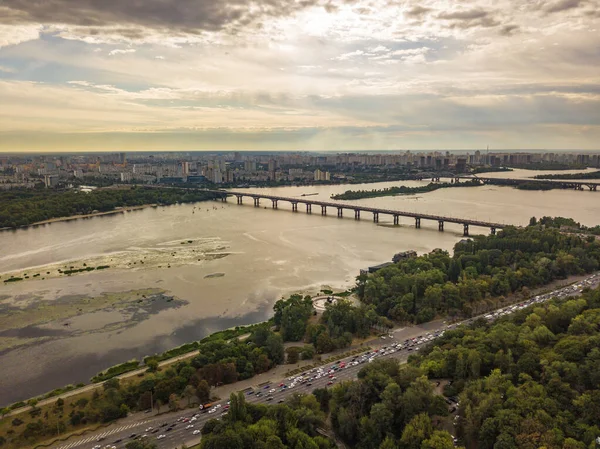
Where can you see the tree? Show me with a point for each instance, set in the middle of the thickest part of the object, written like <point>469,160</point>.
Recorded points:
<point>152,365</point>
<point>439,440</point>
<point>275,349</point>
<point>293,354</point>
<point>189,392</point>
<point>158,404</point>
<point>173,402</point>
<point>416,431</point>
<point>308,352</point>
<point>203,391</point>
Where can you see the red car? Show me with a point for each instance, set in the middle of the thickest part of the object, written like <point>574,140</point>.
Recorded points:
<point>330,383</point>
<point>281,384</point>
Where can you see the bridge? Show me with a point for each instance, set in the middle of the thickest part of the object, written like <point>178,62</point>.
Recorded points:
<point>341,207</point>
<point>574,185</point>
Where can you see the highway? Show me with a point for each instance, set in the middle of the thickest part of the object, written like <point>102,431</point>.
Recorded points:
<point>398,345</point>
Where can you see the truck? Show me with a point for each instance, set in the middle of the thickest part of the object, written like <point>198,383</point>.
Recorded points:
<point>205,407</point>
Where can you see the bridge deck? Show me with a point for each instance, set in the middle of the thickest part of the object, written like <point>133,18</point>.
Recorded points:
<point>378,210</point>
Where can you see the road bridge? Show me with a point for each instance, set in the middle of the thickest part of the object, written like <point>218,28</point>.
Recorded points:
<point>356,209</point>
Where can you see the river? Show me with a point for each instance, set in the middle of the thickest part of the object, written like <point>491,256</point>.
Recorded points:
<point>252,257</point>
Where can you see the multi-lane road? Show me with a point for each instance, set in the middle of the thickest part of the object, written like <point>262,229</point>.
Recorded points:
<point>399,345</point>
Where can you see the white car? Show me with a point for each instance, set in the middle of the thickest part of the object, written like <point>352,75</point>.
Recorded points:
<point>148,429</point>
<point>195,432</point>
<point>272,390</point>
<point>189,426</point>
<point>160,437</point>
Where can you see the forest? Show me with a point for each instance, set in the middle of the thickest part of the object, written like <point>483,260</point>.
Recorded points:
<point>479,276</point>
<point>529,380</point>
<point>21,207</point>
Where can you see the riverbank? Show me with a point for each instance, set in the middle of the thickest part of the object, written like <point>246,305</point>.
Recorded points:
<point>402,190</point>
<point>23,208</point>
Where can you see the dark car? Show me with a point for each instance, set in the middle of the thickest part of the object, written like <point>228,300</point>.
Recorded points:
<point>309,384</point>
<point>448,401</point>
<point>133,435</point>
<point>169,429</point>
<point>165,424</point>
<point>280,401</point>
<point>270,398</point>
<point>117,441</point>
<point>453,409</point>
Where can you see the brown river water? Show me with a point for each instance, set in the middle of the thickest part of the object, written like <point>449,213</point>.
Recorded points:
<point>252,257</point>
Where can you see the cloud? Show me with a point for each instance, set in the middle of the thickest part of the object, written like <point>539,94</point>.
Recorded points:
<point>417,12</point>
<point>563,5</point>
<point>119,51</point>
<point>190,16</point>
<point>469,18</point>
<point>13,35</point>
<point>509,30</point>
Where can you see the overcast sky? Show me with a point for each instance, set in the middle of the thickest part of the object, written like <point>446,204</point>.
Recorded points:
<point>299,74</point>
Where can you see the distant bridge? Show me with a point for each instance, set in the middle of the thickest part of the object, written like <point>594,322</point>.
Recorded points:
<point>340,207</point>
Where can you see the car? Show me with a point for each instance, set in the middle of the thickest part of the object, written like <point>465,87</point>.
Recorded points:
<point>169,429</point>
<point>309,384</point>
<point>97,446</point>
<point>117,441</point>
<point>101,438</point>
<point>189,426</point>
<point>281,384</point>
<point>272,390</point>
<point>195,432</point>
<point>160,437</point>
<point>266,387</point>
<point>330,383</point>
<point>280,401</point>
<point>133,435</point>
<point>250,392</point>
<point>165,424</point>
<point>148,429</point>
<point>270,398</point>
<point>155,430</point>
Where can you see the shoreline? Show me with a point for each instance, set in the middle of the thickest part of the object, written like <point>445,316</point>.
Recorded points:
<point>80,216</point>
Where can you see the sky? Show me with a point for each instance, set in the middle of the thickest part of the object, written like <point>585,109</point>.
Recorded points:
<point>110,75</point>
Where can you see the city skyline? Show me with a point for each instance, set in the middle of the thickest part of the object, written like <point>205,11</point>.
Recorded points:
<point>318,75</point>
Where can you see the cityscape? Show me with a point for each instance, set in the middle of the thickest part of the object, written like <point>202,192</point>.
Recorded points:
<point>239,168</point>
<point>299,224</point>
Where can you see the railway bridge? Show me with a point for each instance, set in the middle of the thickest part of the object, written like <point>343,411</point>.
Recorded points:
<point>356,209</point>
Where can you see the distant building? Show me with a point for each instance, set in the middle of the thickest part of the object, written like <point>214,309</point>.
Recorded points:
<point>126,177</point>
<point>50,180</point>
<point>322,175</point>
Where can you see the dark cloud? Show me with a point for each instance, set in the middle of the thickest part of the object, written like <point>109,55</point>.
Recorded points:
<point>563,5</point>
<point>469,18</point>
<point>468,14</point>
<point>181,15</point>
<point>417,12</point>
<point>509,30</point>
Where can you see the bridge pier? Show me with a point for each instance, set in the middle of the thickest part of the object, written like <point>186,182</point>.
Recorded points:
<point>375,217</point>
<point>256,202</point>
<point>357,214</point>
<point>294,207</point>
<point>224,198</point>
<point>465,229</point>
<point>493,231</point>
<point>323,210</point>
<point>417,222</point>
<point>308,208</point>
<point>239,199</point>
<point>274,204</point>
<point>592,188</point>
<point>396,219</point>
<point>440,225</point>
<point>456,180</point>
<point>340,212</point>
